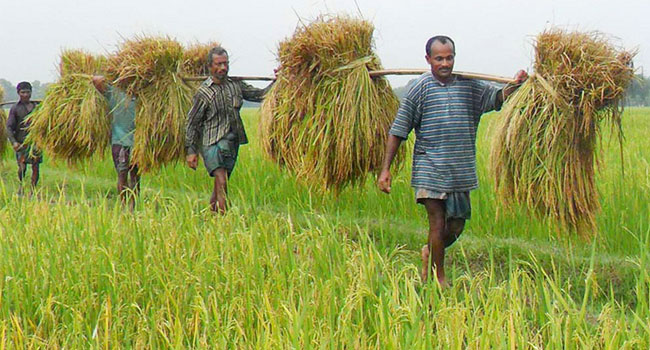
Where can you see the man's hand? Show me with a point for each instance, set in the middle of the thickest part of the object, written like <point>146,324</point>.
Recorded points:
<point>17,146</point>
<point>384,181</point>
<point>192,161</point>
<point>100,83</point>
<point>520,77</point>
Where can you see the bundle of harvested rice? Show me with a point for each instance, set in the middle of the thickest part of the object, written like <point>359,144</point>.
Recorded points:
<point>325,119</point>
<point>196,58</point>
<point>72,123</point>
<point>160,123</point>
<point>81,62</point>
<point>150,69</point>
<point>3,123</point>
<point>545,150</point>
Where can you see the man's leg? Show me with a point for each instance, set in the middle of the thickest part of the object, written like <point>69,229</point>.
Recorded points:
<point>134,180</point>
<point>436,259</point>
<point>453,229</point>
<point>22,171</point>
<point>122,176</point>
<point>133,186</point>
<point>35,175</point>
<point>220,190</point>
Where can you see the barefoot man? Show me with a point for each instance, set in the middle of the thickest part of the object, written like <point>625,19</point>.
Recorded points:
<point>17,130</point>
<point>444,109</point>
<point>122,110</point>
<point>215,120</point>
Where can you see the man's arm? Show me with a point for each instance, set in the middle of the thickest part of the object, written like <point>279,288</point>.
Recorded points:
<point>100,83</point>
<point>520,78</point>
<point>253,94</point>
<point>12,126</point>
<point>195,119</point>
<point>408,117</point>
<point>385,179</point>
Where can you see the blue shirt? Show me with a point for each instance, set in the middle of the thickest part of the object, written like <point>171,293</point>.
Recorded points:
<point>445,118</point>
<point>122,108</point>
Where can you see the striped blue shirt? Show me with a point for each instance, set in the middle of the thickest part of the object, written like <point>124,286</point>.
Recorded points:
<point>445,118</point>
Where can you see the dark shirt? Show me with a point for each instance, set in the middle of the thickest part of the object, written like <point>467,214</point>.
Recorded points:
<point>215,112</point>
<point>17,124</point>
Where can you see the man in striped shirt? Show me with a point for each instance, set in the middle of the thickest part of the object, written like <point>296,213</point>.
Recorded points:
<point>444,110</point>
<point>214,126</point>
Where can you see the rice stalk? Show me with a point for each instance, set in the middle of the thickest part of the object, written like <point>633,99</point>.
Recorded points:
<point>141,61</point>
<point>160,123</point>
<point>545,152</point>
<point>196,58</point>
<point>72,123</point>
<point>81,62</point>
<point>325,119</point>
<point>150,68</point>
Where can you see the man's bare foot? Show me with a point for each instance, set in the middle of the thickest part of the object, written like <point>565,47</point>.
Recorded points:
<point>424,273</point>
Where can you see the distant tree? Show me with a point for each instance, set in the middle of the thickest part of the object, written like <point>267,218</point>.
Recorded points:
<point>38,90</point>
<point>402,90</point>
<point>10,90</point>
<point>638,94</point>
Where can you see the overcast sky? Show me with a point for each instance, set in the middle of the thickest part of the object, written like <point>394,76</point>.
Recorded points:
<point>492,36</point>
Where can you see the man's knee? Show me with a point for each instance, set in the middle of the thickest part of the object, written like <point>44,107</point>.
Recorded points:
<point>454,229</point>
<point>220,177</point>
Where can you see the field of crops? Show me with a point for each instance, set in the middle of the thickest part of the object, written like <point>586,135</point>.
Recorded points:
<point>289,267</point>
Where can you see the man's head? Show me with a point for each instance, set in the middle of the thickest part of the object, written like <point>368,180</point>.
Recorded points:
<point>218,62</point>
<point>24,90</point>
<point>441,52</point>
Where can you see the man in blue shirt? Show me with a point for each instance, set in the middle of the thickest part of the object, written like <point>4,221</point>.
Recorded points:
<point>444,109</point>
<point>122,109</point>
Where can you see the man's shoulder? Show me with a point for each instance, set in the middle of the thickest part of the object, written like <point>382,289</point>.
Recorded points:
<point>19,105</point>
<point>416,85</point>
<point>472,83</point>
<point>424,78</point>
<point>205,88</point>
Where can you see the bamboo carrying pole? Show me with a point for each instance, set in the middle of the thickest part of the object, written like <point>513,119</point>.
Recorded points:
<point>378,73</point>
<point>14,102</point>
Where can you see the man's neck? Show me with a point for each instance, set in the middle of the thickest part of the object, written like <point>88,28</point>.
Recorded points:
<point>218,81</point>
<point>445,81</point>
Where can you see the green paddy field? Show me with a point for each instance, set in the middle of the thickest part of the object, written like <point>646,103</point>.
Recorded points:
<point>293,267</point>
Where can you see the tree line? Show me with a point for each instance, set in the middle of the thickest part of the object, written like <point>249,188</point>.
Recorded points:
<point>38,90</point>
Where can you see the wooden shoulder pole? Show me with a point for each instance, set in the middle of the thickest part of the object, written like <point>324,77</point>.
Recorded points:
<point>379,73</point>
<point>14,102</point>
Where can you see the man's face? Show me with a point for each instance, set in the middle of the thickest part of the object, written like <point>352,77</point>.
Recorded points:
<point>219,66</point>
<point>25,95</point>
<point>441,60</point>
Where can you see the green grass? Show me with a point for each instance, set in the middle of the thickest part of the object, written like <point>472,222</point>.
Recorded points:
<point>292,267</point>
